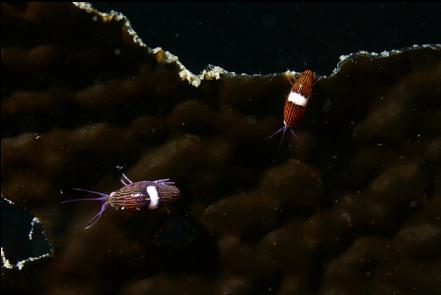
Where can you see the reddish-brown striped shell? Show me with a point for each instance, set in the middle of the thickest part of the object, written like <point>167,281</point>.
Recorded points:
<point>303,84</point>
<point>292,111</point>
<point>135,196</point>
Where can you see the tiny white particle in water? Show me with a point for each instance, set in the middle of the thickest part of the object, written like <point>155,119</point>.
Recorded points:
<point>119,167</point>
<point>95,18</point>
<point>413,204</point>
<point>117,51</point>
<point>379,144</point>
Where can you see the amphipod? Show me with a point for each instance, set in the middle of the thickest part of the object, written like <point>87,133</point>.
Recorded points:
<point>133,196</point>
<point>295,103</point>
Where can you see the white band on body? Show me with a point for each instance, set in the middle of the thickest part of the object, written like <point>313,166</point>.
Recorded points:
<point>297,99</point>
<point>154,198</point>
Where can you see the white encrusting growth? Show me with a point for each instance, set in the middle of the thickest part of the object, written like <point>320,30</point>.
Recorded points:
<point>210,73</point>
<point>154,198</point>
<point>34,221</point>
<point>5,262</point>
<point>22,263</point>
<point>297,99</point>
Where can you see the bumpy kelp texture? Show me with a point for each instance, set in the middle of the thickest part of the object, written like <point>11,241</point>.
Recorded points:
<point>351,207</point>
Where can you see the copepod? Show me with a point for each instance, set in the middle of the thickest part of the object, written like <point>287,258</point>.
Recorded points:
<point>134,196</point>
<point>295,103</point>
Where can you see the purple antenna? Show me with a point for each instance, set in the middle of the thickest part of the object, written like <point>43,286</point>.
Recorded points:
<point>98,216</point>
<point>283,130</point>
<point>103,199</point>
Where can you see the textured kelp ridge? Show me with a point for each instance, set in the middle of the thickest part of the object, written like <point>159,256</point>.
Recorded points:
<point>215,72</point>
<point>354,206</point>
<point>163,56</point>
<point>352,57</point>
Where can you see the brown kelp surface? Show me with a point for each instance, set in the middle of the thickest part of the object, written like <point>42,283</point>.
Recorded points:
<point>352,207</point>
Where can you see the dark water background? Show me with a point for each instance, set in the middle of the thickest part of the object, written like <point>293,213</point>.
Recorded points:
<point>271,37</point>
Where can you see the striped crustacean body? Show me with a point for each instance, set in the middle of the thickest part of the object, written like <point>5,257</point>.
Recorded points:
<point>139,195</point>
<point>134,196</point>
<point>295,103</point>
<point>129,197</point>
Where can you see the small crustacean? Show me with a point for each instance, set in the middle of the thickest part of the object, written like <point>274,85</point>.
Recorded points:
<point>134,196</point>
<point>296,102</point>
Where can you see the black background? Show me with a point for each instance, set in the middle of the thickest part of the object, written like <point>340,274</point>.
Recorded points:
<point>268,37</point>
